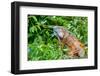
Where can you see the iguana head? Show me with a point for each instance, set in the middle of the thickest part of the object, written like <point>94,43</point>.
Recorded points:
<point>60,32</point>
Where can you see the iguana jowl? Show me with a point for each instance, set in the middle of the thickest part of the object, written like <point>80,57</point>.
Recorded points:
<point>66,38</point>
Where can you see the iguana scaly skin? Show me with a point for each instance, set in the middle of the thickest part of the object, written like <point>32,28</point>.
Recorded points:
<point>66,38</point>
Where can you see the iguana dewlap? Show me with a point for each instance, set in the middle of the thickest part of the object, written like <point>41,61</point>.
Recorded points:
<point>66,38</point>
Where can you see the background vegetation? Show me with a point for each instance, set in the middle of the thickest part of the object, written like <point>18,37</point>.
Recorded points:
<point>43,44</point>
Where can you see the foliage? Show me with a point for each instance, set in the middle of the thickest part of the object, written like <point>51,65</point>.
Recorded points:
<point>43,44</point>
